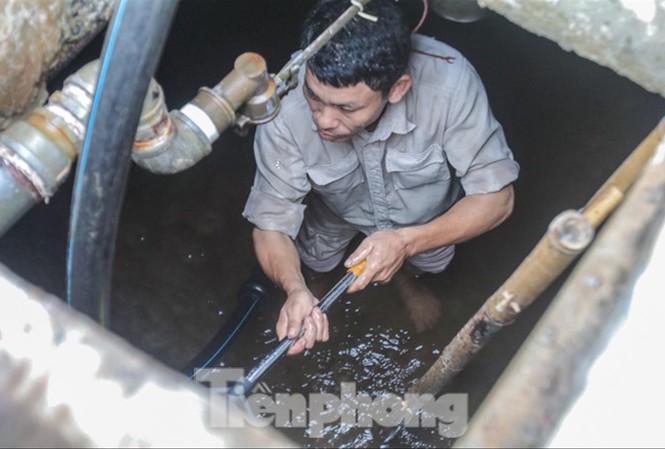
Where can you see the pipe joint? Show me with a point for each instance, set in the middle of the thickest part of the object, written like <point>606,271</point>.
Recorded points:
<point>169,143</point>
<point>155,127</point>
<point>72,104</point>
<point>570,232</point>
<point>37,152</point>
<point>41,150</point>
<point>186,146</point>
<point>211,112</point>
<point>249,89</point>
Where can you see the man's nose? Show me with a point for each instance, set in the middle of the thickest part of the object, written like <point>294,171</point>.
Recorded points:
<point>325,118</point>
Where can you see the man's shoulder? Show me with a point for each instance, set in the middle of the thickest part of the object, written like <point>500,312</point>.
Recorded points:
<point>427,44</point>
<point>436,63</point>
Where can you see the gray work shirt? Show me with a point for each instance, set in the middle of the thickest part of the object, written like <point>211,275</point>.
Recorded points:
<point>406,172</point>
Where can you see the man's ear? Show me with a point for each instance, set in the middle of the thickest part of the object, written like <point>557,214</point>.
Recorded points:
<point>399,89</point>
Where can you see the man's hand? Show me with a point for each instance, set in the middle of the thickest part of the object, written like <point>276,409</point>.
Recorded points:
<point>471,216</point>
<point>385,252</point>
<point>280,261</point>
<point>298,312</point>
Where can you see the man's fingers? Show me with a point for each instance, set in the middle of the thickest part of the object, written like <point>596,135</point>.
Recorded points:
<point>282,324</point>
<point>295,325</point>
<point>357,256</point>
<point>319,323</point>
<point>297,347</point>
<point>365,277</point>
<point>310,333</point>
<point>326,330</point>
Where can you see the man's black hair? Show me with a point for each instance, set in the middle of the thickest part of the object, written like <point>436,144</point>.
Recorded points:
<point>375,53</point>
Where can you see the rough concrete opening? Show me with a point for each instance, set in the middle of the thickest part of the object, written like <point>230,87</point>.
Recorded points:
<point>183,249</point>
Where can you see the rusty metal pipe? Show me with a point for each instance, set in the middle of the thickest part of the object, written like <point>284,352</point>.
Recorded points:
<point>568,236</point>
<point>164,142</point>
<point>549,371</point>
<point>36,153</point>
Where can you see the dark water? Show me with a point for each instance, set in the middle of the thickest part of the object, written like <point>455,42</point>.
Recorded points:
<point>183,249</point>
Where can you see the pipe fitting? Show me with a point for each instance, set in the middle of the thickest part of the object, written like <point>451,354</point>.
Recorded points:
<point>37,152</point>
<point>210,112</point>
<point>169,143</point>
<point>186,145</point>
<point>570,233</point>
<point>248,76</point>
<point>155,126</point>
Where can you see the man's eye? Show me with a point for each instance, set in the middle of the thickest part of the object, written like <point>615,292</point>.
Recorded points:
<point>310,94</point>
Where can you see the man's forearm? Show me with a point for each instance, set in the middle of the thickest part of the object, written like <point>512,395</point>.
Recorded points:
<point>279,259</point>
<point>470,217</point>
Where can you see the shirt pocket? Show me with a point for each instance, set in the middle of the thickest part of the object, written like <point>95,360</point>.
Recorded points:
<point>338,177</point>
<point>409,170</point>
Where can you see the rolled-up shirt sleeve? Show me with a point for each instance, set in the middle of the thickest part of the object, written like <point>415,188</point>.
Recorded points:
<point>474,140</point>
<point>280,183</point>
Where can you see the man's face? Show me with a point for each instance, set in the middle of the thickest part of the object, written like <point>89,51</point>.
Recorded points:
<point>341,113</point>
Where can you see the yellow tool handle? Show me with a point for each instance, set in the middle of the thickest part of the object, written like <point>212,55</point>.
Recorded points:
<point>358,268</point>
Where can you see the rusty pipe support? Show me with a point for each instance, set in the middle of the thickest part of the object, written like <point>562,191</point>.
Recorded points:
<point>539,269</point>
<point>549,371</point>
<point>172,142</point>
<point>568,235</point>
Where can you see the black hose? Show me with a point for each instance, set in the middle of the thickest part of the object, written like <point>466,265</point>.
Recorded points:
<point>257,289</point>
<point>132,49</point>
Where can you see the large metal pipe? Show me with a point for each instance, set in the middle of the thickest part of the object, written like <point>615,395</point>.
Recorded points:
<point>36,153</point>
<point>34,160</point>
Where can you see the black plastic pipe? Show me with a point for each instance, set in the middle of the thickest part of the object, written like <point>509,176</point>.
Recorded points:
<point>132,48</point>
<point>257,289</point>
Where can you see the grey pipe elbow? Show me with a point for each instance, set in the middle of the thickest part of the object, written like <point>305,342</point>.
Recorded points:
<point>184,146</point>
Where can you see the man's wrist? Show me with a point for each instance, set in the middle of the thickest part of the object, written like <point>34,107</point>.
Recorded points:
<point>407,236</point>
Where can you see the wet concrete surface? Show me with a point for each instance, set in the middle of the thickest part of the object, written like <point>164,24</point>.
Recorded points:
<point>183,250</point>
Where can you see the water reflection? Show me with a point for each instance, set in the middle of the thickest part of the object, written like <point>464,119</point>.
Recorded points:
<point>374,345</point>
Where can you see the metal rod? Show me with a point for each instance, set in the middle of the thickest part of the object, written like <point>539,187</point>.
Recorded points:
<point>246,384</point>
<point>291,67</point>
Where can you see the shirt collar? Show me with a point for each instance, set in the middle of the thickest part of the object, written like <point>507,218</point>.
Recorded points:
<point>393,121</point>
